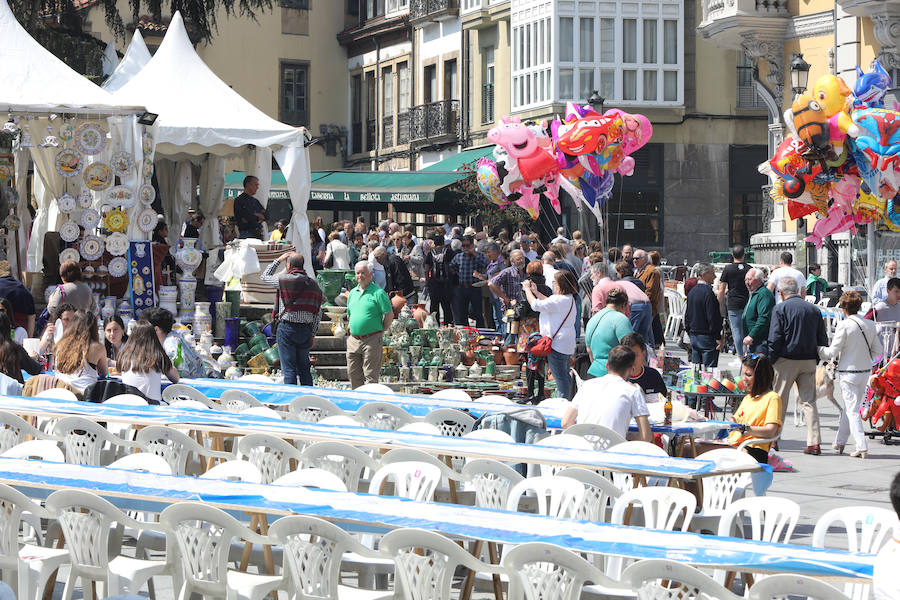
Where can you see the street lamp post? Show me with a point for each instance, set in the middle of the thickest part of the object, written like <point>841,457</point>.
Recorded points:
<point>799,81</point>
<point>596,103</point>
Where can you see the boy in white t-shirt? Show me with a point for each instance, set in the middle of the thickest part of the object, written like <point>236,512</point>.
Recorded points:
<point>611,400</point>
<point>885,583</point>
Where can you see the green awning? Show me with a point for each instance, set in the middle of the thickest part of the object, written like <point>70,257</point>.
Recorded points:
<point>404,187</point>
<point>455,162</point>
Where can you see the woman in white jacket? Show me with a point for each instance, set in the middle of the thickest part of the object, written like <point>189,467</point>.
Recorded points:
<point>855,345</point>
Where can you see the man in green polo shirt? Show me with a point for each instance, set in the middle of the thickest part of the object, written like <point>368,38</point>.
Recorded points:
<point>370,313</point>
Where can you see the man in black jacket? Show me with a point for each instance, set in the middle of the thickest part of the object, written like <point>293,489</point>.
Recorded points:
<point>397,275</point>
<point>795,334</point>
<point>703,319</point>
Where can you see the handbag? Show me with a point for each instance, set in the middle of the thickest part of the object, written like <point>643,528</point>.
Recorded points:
<point>543,346</point>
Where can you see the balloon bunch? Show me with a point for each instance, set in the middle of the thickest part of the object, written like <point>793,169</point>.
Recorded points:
<point>841,160</point>
<point>578,154</point>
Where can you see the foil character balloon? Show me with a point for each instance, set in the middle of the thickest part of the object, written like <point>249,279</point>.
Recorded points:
<point>838,220</point>
<point>810,121</point>
<point>488,179</point>
<point>877,149</point>
<point>871,87</point>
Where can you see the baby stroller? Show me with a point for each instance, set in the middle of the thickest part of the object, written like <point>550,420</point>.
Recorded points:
<point>882,409</point>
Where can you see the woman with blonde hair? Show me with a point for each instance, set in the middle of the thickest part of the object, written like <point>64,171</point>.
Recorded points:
<point>79,357</point>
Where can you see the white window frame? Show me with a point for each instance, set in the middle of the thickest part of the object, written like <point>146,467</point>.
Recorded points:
<point>395,7</point>
<point>525,13</point>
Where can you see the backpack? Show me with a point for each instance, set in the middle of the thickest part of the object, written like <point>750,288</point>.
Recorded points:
<point>440,273</point>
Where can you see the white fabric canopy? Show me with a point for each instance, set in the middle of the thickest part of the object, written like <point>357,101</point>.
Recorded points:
<point>32,77</point>
<point>136,58</point>
<point>199,114</point>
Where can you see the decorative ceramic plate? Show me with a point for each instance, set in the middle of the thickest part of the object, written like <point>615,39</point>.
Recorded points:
<point>68,162</point>
<point>69,254</point>
<point>147,194</point>
<point>85,199</point>
<point>148,170</point>
<point>12,223</point>
<point>148,144</point>
<point>6,172</point>
<point>92,247</point>
<point>69,231</point>
<point>147,219</point>
<point>66,203</point>
<point>118,267</point>
<point>98,176</point>
<point>90,138</point>
<point>117,244</point>
<point>122,163</point>
<point>90,218</point>
<point>66,132</point>
<point>120,195</point>
<point>115,220</point>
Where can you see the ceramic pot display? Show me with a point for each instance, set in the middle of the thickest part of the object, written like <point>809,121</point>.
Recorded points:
<point>168,294</point>
<point>109,307</point>
<point>202,318</point>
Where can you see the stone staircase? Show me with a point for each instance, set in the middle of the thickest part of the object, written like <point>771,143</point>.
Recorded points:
<point>330,352</point>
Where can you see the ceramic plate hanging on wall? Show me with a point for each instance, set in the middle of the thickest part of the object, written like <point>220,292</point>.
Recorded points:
<point>148,170</point>
<point>148,144</point>
<point>147,194</point>
<point>85,199</point>
<point>120,195</point>
<point>68,162</point>
<point>90,218</point>
<point>122,164</point>
<point>90,138</point>
<point>66,203</point>
<point>92,247</point>
<point>69,254</point>
<point>98,176</point>
<point>69,231</point>
<point>66,132</point>
<point>115,220</point>
<point>117,244</point>
<point>118,267</point>
<point>147,219</point>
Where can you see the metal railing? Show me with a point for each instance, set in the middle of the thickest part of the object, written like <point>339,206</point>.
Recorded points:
<point>387,131</point>
<point>424,9</point>
<point>433,120</point>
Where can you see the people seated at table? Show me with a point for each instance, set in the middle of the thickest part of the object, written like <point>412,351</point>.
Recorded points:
<point>114,337</point>
<point>885,583</point>
<point>18,334</point>
<point>162,322</point>
<point>13,357</point>
<point>643,375</point>
<point>143,362</point>
<point>72,290</point>
<point>63,315</point>
<point>611,400</point>
<point>605,329</point>
<point>79,357</point>
<point>759,413</point>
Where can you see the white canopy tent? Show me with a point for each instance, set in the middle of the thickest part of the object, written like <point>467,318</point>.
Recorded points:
<point>39,86</point>
<point>136,58</point>
<point>202,120</point>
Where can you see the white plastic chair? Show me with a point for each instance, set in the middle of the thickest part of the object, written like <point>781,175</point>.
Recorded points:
<point>378,388</point>
<point>144,462</point>
<point>313,409</point>
<point>414,480</point>
<point>263,411</point>
<point>86,521</point>
<point>36,450</point>
<point>237,400</point>
<point>867,529</point>
<point>600,494</point>
<point>495,399</point>
<point>420,427</point>
<point>561,440</point>
<point>426,563</point>
<point>312,550</point>
<point>341,459</point>
<point>600,437</point>
<point>312,478</point>
<point>126,400</point>
<point>28,568</point>
<point>381,415</point>
<point>343,420</point>
<point>659,579</point>
<point>13,430</point>
<point>258,377</point>
<point>719,491</point>
<point>179,450</point>
<point>555,403</point>
<point>452,394</point>
<point>556,496</point>
<point>662,508</point>
<point>187,403</point>
<point>491,480</point>
<point>180,391</point>
<point>234,470</point>
<point>451,422</point>
<point>783,587</point>
<point>57,393</point>
<point>84,441</point>
<point>625,481</point>
<point>270,454</point>
<point>202,535</point>
<point>548,572</point>
<point>493,435</point>
<point>411,454</point>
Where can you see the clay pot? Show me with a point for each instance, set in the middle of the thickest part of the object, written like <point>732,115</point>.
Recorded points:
<point>498,355</point>
<point>468,358</point>
<point>419,314</point>
<point>511,357</point>
<point>397,303</point>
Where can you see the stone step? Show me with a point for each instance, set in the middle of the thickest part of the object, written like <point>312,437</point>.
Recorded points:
<point>330,359</point>
<point>333,373</point>
<point>328,343</point>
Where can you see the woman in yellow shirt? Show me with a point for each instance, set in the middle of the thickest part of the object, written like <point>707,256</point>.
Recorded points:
<point>760,411</point>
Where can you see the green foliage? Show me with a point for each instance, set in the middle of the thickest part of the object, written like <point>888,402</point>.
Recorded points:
<point>475,203</point>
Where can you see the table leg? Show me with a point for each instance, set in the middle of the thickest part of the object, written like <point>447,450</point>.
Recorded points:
<point>452,484</point>
<point>248,547</point>
<point>693,447</point>
<point>267,549</point>
<point>217,444</point>
<point>469,583</point>
<point>494,554</point>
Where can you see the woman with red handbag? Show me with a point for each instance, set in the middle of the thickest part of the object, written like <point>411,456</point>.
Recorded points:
<point>557,326</point>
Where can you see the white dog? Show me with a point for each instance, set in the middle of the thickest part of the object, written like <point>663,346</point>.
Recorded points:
<point>824,389</point>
